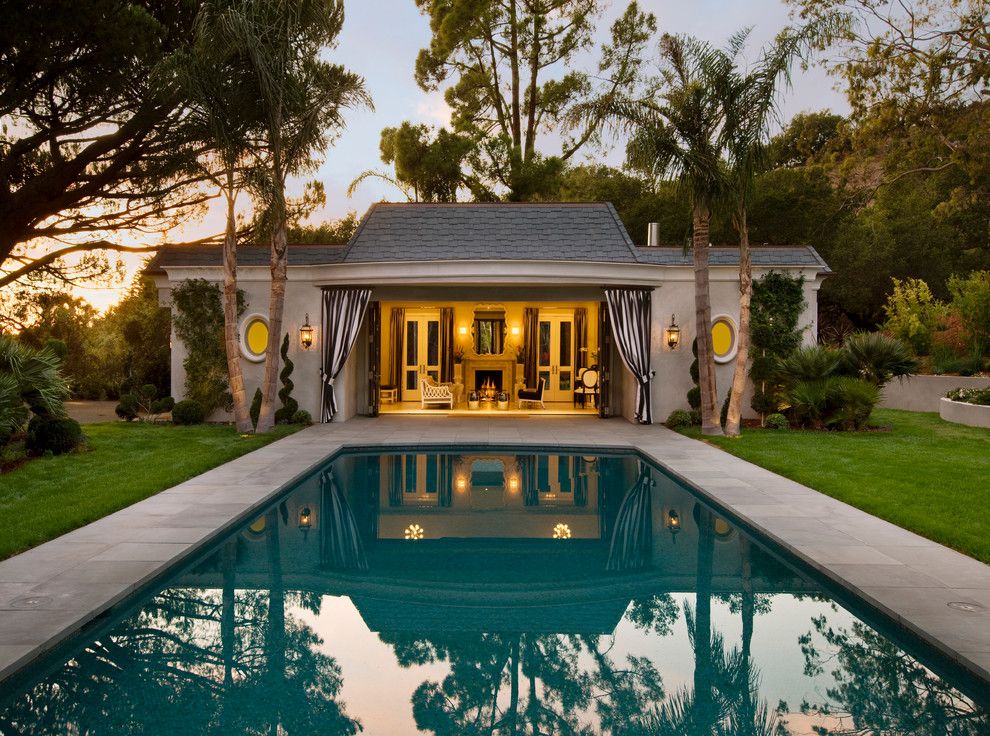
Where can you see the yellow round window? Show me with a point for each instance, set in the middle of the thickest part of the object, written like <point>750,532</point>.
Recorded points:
<point>256,337</point>
<point>723,339</point>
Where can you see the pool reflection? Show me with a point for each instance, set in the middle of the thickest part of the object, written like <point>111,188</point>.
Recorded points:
<point>491,594</point>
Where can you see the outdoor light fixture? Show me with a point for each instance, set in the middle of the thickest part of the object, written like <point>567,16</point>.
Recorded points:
<point>672,334</point>
<point>561,531</point>
<point>414,531</point>
<point>513,483</point>
<point>305,520</point>
<point>461,482</point>
<point>673,523</point>
<point>306,334</point>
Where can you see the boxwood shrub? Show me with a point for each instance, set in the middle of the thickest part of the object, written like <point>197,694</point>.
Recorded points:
<point>188,412</point>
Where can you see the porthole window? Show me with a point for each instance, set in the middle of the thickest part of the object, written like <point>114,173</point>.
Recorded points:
<point>723,339</point>
<point>254,337</point>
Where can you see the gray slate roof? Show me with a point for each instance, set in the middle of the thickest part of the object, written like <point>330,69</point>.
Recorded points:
<point>397,233</point>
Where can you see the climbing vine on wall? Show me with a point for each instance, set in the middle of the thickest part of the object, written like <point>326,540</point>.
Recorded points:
<point>198,322</point>
<point>777,304</point>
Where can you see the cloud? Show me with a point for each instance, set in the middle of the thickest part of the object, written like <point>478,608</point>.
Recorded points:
<point>433,108</point>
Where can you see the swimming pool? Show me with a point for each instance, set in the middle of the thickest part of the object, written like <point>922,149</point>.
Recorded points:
<point>491,592</point>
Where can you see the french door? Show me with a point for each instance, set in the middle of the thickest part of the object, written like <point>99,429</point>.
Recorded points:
<point>556,356</point>
<point>422,351</point>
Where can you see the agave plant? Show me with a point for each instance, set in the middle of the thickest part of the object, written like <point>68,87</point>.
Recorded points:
<point>877,358</point>
<point>30,381</point>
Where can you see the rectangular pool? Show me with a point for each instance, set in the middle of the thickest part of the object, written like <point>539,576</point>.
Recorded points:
<point>480,591</point>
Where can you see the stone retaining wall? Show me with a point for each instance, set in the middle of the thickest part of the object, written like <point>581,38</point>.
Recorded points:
<point>960,412</point>
<point>923,393</point>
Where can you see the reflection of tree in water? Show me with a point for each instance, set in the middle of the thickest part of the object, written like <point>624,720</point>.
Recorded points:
<point>881,690</point>
<point>527,684</point>
<point>195,662</point>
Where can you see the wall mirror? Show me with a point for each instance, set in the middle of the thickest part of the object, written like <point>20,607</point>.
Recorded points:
<point>488,329</point>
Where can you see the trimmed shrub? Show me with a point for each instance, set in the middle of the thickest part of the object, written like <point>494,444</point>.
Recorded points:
<point>127,408</point>
<point>290,406</point>
<point>679,418</point>
<point>302,417</point>
<point>55,435</point>
<point>694,398</point>
<point>255,410</point>
<point>188,412</point>
<point>162,406</point>
<point>855,400</point>
<point>777,421</point>
<point>694,394</point>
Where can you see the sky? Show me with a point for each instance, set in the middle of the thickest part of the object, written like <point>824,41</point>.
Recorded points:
<point>380,40</point>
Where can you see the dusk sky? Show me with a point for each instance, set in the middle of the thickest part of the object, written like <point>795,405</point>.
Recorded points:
<point>380,41</point>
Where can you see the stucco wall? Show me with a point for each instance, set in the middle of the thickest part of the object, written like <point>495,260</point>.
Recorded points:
<point>923,393</point>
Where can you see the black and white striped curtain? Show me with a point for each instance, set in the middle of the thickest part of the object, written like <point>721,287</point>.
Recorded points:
<point>629,313</point>
<point>631,547</point>
<point>343,312</point>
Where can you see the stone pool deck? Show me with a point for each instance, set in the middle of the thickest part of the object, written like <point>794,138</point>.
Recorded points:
<point>50,592</point>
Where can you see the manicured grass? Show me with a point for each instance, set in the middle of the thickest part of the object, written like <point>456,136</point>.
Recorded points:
<point>126,463</point>
<point>926,475</point>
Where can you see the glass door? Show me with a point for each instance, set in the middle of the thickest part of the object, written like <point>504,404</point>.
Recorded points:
<point>422,352</point>
<point>556,356</point>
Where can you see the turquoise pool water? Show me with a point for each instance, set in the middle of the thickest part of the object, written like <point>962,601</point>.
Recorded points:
<point>477,592</point>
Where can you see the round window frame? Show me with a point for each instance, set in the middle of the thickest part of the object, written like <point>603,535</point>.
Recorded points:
<point>245,324</point>
<point>731,355</point>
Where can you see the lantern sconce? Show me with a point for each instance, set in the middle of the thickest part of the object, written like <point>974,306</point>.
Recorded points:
<point>306,334</point>
<point>672,335</point>
<point>673,523</point>
<point>462,330</point>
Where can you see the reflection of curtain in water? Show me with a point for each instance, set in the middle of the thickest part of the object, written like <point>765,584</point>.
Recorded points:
<point>446,480</point>
<point>395,481</point>
<point>527,473</point>
<point>340,538</point>
<point>583,468</point>
<point>632,537</point>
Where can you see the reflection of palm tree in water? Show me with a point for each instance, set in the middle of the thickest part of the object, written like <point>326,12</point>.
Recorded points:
<point>724,696</point>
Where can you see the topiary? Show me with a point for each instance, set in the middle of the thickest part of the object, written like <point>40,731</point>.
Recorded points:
<point>725,408</point>
<point>255,410</point>
<point>777,421</point>
<point>127,408</point>
<point>188,412</point>
<point>162,406</point>
<point>679,418</point>
<point>302,417</point>
<point>55,435</point>
<point>694,395</point>
<point>289,405</point>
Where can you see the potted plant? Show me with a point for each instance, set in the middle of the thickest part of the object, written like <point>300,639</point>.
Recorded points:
<point>503,400</point>
<point>458,355</point>
<point>473,402</point>
<point>520,351</point>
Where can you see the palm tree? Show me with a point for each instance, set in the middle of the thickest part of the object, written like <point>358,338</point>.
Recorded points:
<point>216,78</point>
<point>680,129</point>
<point>301,99</point>
<point>750,99</point>
<point>30,381</point>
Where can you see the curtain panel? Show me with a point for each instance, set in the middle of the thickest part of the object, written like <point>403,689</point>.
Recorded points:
<point>629,313</point>
<point>447,345</point>
<point>341,547</point>
<point>581,338</point>
<point>396,326</point>
<point>343,312</point>
<point>531,345</point>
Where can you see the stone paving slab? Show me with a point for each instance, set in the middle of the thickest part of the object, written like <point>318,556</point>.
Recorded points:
<point>49,593</point>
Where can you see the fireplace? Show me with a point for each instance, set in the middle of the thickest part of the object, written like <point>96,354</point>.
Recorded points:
<point>487,383</point>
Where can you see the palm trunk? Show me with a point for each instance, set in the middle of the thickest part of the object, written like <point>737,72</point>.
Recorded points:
<point>242,418</point>
<point>279,270</point>
<point>710,424</point>
<point>733,419</point>
<point>275,634</point>
<point>227,617</point>
<point>513,716</point>
<point>704,697</point>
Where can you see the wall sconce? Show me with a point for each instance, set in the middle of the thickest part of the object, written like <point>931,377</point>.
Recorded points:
<point>461,482</point>
<point>673,523</point>
<point>513,484</point>
<point>514,330</point>
<point>462,330</point>
<point>305,520</point>
<point>306,334</point>
<point>672,335</point>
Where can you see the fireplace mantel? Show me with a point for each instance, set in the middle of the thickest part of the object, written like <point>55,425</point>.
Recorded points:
<point>504,363</point>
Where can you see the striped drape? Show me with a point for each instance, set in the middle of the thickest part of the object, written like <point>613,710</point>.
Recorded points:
<point>629,313</point>
<point>343,312</point>
<point>340,539</point>
<point>631,547</point>
<point>397,324</point>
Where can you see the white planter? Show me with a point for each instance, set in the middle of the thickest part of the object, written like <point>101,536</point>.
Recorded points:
<point>960,412</point>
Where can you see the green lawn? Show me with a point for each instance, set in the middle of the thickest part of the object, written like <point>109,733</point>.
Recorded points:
<point>926,475</point>
<point>125,463</point>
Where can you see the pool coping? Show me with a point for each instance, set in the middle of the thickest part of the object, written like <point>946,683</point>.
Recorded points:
<point>50,593</point>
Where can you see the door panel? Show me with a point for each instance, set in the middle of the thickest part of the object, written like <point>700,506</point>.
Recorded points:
<point>556,356</point>
<point>422,350</point>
